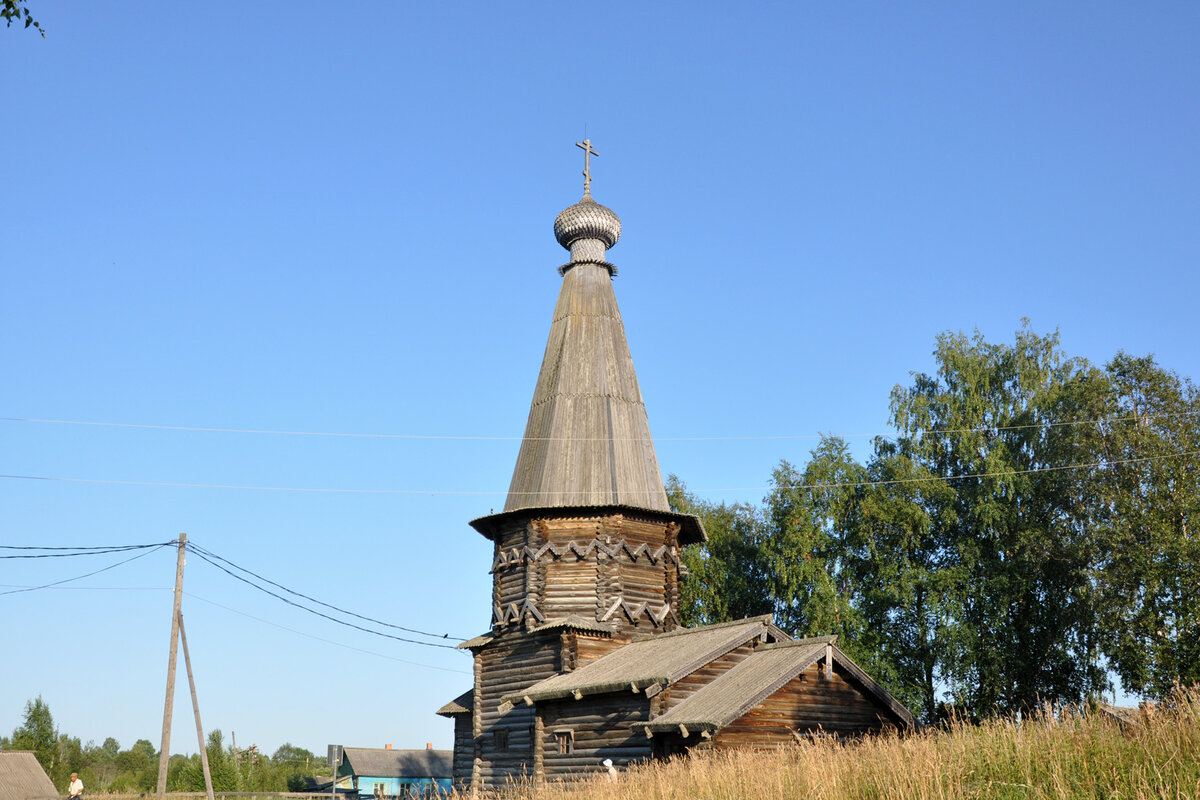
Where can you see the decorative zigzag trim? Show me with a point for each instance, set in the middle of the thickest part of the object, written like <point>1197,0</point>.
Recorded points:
<point>635,612</point>
<point>515,612</point>
<point>515,555</point>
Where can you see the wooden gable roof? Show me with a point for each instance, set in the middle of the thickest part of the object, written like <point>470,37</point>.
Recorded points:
<point>655,661</point>
<point>761,674</point>
<point>22,777</point>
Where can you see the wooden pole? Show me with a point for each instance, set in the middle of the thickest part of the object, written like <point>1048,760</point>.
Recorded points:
<point>164,754</point>
<point>187,661</point>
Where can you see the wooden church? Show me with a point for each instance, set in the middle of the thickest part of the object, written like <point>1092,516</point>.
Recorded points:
<point>585,660</point>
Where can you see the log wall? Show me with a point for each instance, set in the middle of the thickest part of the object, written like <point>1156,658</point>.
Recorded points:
<point>600,727</point>
<point>617,569</point>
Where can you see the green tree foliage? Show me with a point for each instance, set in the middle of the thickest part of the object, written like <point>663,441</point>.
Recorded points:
<point>725,576</point>
<point>999,423</point>
<point>1031,526</point>
<point>108,768</point>
<point>37,733</point>
<point>1151,551</point>
<point>14,11</point>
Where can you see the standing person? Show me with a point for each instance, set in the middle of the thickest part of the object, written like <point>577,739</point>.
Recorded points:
<point>612,771</point>
<point>75,790</point>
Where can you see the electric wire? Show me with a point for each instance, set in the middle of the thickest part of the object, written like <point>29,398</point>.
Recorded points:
<point>322,639</point>
<point>83,551</point>
<point>502,492</point>
<point>203,552</point>
<point>87,575</point>
<point>484,438</point>
<point>294,604</point>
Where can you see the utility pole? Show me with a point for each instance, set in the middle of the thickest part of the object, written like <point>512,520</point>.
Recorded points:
<point>164,754</point>
<point>187,660</point>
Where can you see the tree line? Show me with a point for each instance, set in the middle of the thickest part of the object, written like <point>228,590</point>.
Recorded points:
<point>1027,533</point>
<point>108,768</point>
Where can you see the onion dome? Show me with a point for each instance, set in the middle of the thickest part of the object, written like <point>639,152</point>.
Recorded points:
<point>587,219</point>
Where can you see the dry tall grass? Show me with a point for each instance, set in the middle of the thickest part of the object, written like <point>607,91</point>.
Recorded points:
<point>1062,755</point>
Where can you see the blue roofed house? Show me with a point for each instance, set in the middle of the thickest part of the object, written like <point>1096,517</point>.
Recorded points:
<point>387,773</point>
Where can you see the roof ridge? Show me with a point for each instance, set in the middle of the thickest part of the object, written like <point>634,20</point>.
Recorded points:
<point>766,619</point>
<point>831,639</point>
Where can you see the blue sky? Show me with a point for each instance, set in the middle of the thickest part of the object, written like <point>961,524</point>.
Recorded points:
<point>337,218</point>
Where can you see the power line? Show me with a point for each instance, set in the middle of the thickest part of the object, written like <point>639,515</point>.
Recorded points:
<point>321,639</point>
<point>549,493</point>
<point>87,575</point>
<point>82,551</point>
<point>203,552</point>
<point>484,438</point>
<point>302,607</point>
<point>1000,474</point>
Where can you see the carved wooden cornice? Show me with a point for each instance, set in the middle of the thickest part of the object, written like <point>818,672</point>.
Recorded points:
<point>520,555</point>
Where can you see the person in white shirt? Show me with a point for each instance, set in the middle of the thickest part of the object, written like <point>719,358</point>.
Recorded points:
<point>75,790</point>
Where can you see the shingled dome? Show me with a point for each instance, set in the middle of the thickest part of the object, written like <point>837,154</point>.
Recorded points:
<point>587,219</point>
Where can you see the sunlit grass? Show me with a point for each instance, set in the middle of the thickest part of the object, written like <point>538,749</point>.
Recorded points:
<point>1051,755</point>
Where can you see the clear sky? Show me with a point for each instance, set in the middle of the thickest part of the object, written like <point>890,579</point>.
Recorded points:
<point>336,217</point>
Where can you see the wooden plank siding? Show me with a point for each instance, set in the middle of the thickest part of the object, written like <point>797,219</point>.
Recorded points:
<point>807,704</point>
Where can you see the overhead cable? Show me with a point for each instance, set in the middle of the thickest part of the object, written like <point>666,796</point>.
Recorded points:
<point>468,437</point>
<point>302,607</point>
<point>79,551</point>
<point>89,574</point>
<point>501,492</point>
<point>203,552</point>
<point>322,639</point>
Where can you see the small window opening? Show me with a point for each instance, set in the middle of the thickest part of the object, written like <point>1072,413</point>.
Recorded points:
<point>566,741</point>
<point>501,739</point>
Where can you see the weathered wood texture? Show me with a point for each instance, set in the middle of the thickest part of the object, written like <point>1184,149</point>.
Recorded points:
<point>617,570</point>
<point>464,745</point>
<point>685,688</point>
<point>503,744</point>
<point>807,703</point>
<point>587,440</point>
<point>601,727</point>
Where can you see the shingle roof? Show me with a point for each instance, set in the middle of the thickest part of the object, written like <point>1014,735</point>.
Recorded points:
<point>574,622</point>
<point>764,672</point>
<point>587,441</point>
<point>22,777</point>
<point>660,659</point>
<point>691,529</point>
<point>382,763</point>
<point>463,704</point>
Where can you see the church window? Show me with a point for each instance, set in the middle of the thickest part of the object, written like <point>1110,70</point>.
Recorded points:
<point>501,739</point>
<point>566,741</point>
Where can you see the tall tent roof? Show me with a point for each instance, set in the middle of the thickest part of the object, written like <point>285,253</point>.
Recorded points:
<point>587,441</point>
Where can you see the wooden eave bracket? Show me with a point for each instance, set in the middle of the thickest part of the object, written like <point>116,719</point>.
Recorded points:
<point>505,707</point>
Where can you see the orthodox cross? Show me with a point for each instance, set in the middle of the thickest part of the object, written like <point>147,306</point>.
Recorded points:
<point>588,152</point>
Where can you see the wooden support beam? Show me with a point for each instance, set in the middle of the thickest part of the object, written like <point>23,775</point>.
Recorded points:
<point>528,700</point>
<point>829,662</point>
<point>683,731</point>
<point>578,695</point>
